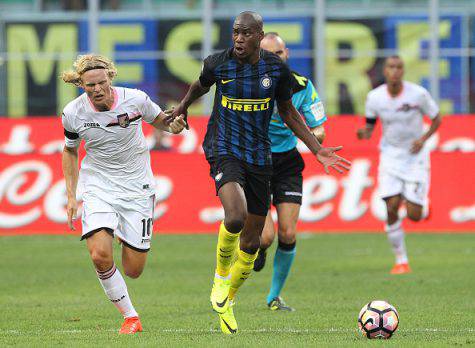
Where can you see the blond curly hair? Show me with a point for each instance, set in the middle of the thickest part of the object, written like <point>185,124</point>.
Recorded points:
<point>85,63</point>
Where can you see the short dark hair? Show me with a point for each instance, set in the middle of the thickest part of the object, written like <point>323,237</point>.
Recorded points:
<point>256,17</point>
<point>392,56</point>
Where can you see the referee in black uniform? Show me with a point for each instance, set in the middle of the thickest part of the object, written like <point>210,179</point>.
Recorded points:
<point>248,81</point>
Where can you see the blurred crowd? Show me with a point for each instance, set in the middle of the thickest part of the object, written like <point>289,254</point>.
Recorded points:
<point>82,5</point>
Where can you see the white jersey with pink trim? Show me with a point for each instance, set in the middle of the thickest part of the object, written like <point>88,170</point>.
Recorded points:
<point>402,122</point>
<point>117,159</point>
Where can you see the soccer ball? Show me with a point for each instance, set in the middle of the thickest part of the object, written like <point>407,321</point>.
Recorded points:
<point>378,319</point>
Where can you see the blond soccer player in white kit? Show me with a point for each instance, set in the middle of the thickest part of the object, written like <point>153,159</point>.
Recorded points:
<point>404,168</point>
<point>116,177</point>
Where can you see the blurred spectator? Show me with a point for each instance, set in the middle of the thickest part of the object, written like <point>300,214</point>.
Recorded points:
<point>191,4</point>
<point>81,5</point>
<point>110,4</point>
<point>74,5</point>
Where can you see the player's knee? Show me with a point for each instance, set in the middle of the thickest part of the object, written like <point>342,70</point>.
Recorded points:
<point>392,218</point>
<point>235,221</point>
<point>250,245</point>
<point>133,273</point>
<point>266,239</point>
<point>414,214</point>
<point>287,234</point>
<point>102,259</point>
<point>287,246</point>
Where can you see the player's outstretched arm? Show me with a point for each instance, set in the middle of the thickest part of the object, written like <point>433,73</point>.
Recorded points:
<point>71,173</point>
<point>325,155</point>
<point>165,122</point>
<point>195,91</point>
<point>419,143</point>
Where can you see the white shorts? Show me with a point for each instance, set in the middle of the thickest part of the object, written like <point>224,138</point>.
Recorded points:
<point>414,191</point>
<point>129,219</point>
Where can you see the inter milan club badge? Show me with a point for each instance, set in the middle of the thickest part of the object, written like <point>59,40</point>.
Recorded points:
<point>266,82</point>
<point>124,120</point>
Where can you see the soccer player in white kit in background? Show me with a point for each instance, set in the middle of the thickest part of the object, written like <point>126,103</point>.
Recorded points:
<point>116,177</point>
<point>404,166</point>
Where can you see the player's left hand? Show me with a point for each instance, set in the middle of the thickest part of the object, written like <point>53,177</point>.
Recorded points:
<point>174,112</point>
<point>329,159</point>
<point>177,125</point>
<point>72,210</point>
<point>417,146</point>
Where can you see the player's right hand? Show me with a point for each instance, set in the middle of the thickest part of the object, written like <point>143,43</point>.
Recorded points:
<point>72,210</point>
<point>363,133</point>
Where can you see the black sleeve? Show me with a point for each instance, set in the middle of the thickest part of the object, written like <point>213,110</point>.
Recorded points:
<point>71,135</point>
<point>283,90</point>
<point>207,77</point>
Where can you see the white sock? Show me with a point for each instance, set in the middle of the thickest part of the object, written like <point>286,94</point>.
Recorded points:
<point>116,290</point>
<point>396,239</point>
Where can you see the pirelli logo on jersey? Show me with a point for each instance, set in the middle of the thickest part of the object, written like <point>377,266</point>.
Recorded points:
<point>248,105</point>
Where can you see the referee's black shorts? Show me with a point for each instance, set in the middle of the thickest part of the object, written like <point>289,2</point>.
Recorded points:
<point>255,181</point>
<point>287,180</point>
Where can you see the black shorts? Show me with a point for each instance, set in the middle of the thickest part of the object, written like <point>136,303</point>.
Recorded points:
<point>287,180</point>
<point>255,181</point>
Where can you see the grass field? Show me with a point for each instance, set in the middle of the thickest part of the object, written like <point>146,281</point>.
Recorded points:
<point>49,294</point>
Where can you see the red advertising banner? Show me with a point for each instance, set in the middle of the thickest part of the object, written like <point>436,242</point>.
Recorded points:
<point>33,199</point>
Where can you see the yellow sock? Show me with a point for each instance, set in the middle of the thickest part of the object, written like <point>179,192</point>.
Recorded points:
<point>240,271</point>
<point>225,250</point>
<point>236,253</point>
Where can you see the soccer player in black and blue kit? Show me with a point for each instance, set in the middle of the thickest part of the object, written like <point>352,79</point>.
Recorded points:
<point>237,146</point>
<point>287,180</point>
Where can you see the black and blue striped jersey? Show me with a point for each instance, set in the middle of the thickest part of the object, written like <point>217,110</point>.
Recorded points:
<point>243,105</point>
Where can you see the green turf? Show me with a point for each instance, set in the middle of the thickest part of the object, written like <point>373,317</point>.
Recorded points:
<point>49,294</point>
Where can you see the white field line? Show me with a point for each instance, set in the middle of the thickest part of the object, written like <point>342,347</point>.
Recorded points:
<point>262,330</point>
